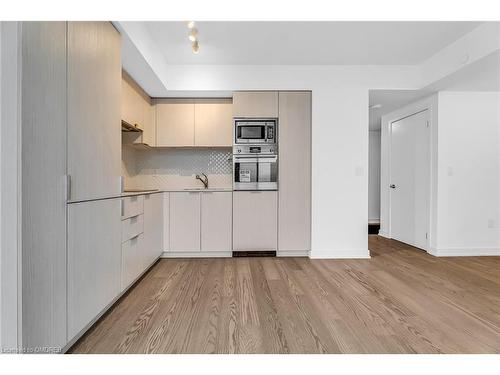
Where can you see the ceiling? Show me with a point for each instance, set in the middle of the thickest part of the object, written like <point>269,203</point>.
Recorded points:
<point>306,43</point>
<point>483,75</point>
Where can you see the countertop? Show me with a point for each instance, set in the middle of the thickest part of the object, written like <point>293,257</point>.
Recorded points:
<point>128,193</point>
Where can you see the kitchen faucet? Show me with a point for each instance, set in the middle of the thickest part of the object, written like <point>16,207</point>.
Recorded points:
<point>205,180</point>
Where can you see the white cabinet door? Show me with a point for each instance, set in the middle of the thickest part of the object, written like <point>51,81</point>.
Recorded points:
<point>43,199</point>
<point>255,220</point>
<point>185,221</point>
<point>213,122</point>
<point>295,171</point>
<point>94,125</point>
<point>94,260</point>
<point>174,123</point>
<point>255,104</point>
<point>216,221</point>
<point>153,227</point>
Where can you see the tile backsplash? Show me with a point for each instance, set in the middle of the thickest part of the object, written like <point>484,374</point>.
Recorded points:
<point>174,168</point>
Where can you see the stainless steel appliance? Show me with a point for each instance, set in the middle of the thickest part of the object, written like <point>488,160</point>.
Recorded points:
<point>255,154</point>
<point>255,131</point>
<point>255,172</point>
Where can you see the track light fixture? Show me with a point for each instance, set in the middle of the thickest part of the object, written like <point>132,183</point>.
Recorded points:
<point>193,37</point>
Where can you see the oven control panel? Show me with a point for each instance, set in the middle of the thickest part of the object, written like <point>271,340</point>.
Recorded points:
<point>255,150</point>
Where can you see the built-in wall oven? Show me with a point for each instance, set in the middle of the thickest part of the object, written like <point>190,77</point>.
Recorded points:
<point>255,166</point>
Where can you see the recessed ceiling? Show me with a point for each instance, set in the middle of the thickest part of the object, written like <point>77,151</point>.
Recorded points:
<point>306,43</point>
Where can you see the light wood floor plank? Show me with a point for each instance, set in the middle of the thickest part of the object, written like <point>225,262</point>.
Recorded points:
<point>402,300</point>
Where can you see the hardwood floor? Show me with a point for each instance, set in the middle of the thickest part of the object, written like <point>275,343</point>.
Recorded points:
<point>400,301</point>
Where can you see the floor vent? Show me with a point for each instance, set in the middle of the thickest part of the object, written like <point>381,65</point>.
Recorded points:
<point>242,254</point>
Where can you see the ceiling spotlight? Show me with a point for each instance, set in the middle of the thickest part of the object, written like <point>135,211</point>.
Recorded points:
<point>192,34</point>
<point>195,47</point>
<point>375,106</point>
<point>190,24</point>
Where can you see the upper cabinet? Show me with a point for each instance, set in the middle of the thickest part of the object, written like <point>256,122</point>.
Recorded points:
<point>192,123</point>
<point>137,109</point>
<point>174,123</point>
<point>213,121</point>
<point>255,104</point>
<point>93,97</point>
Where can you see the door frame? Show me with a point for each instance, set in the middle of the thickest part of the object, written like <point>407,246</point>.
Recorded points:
<point>429,104</point>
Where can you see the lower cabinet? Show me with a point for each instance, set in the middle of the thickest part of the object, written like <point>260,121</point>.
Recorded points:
<point>255,220</point>
<point>94,260</point>
<point>216,221</point>
<point>200,221</point>
<point>153,228</point>
<point>132,259</point>
<point>185,221</point>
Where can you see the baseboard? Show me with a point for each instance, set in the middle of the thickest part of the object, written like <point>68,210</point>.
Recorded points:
<point>335,254</point>
<point>292,253</point>
<point>383,234</point>
<point>465,252</point>
<point>197,254</point>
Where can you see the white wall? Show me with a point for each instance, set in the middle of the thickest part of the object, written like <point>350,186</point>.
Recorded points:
<point>468,189</point>
<point>339,136</point>
<point>374,176</point>
<point>465,172</point>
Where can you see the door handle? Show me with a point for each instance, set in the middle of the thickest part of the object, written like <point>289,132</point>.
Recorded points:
<point>392,186</point>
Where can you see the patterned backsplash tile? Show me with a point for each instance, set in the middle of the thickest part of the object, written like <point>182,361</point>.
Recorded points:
<point>176,167</point>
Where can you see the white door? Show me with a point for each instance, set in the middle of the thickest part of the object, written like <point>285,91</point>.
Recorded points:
<point>410,179</point>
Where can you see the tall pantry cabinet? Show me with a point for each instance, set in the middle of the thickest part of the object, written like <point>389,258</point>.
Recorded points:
<point>70,121</point>
<point>294,203</point>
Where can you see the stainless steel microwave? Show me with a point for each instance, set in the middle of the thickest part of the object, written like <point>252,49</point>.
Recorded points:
<point>255,131</point>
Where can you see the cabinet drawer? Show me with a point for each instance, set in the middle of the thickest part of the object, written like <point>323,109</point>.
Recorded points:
<point>132,226</point>
<point>132,206</point>
<point>131,259</point>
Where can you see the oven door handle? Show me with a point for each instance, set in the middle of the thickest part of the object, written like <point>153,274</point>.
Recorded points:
<point>264,159</point>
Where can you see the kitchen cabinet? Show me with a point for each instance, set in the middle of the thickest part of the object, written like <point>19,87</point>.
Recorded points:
<point>213,123</point>
<point>43,200</point>
<point>216,221</point>
<point>255,216</point>
<point>136,109</point>
<point>255,104</point>
<point>94,260</point>
<point>93,100</point>
<point>153,227</point>
<point>184,221</point>
<point>294,207</point>
<point>174,123</point>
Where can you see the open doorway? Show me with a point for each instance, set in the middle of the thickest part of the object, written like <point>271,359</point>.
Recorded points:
<point>399,166</point>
